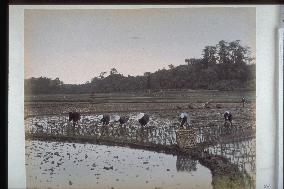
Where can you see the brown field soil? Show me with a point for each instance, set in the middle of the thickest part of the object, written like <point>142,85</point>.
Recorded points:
<point>131,102</point>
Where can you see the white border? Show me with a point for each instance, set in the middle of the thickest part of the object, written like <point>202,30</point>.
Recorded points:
<point>16,138</point>
<point>280,108</point>
<point>267,23</point>
<point>266,110</point>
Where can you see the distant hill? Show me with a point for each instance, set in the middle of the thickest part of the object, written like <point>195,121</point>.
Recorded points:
<point>226,66</point>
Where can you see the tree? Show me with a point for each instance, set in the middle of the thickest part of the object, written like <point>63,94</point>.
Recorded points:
<point>194,61</point>
<point>171,66</point>
<point>223,52</point>
<point>209,55</point>
<point>58,82</point>
<point>239,54</point>
<point>148,80</point>
<point>187,61</point>
<point>224,66</point>
<point>102,75</point>
<point>113,71</point>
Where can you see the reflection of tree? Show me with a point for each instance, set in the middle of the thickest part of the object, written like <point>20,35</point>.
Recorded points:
<point>184,163</point>
<point>241,153</point>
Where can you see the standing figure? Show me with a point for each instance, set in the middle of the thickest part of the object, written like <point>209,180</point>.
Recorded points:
<point>244,101</point>
<point>185,121</point>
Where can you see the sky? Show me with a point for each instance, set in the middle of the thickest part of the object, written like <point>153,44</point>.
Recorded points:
<point>77,45</point>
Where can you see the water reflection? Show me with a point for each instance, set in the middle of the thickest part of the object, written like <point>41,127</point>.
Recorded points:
<point>74,165</point>
<point>241,153</point>
<point>184,163</point>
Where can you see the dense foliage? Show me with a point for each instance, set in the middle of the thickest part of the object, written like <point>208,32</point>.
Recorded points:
<point>225,66</point>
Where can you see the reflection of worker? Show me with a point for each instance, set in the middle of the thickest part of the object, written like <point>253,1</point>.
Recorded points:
<point>185,122</point>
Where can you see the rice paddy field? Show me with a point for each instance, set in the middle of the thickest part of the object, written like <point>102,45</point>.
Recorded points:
<point>66,164</point>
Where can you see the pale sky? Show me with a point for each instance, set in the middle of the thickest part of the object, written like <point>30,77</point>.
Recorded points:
<point>77,45</point>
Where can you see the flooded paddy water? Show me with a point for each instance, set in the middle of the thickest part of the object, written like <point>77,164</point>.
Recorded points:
<point>74,165</point>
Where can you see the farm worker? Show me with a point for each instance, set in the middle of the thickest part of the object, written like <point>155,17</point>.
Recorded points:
<point>121,119</point>
<point>243,101</point>
<point>105,119</point>
<point>75,117</point>
<point>184,117</point>
<point>143,119</point>
<point>228,117</point>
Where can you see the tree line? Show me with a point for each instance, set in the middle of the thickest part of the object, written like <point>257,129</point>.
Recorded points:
<point>225,66</point>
